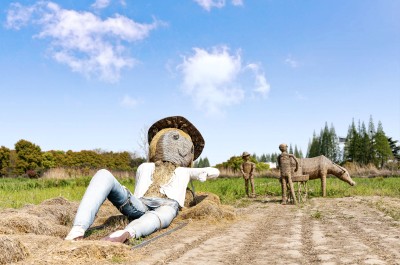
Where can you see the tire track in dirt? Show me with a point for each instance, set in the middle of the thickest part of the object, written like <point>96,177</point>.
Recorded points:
<point>279,237</point>
<point>166,250</point>
<point>220,245</point>
<point>308,248</point>
<point>256,239</point>
<point>346,233</point>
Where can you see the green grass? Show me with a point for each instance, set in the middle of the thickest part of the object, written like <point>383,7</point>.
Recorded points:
<point>230,190</point>
<point>15,193</point>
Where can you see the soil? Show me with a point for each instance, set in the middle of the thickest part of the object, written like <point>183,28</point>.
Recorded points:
<point>351,230</point>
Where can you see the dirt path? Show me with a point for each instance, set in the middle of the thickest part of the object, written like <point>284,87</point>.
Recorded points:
<point>323,231</point>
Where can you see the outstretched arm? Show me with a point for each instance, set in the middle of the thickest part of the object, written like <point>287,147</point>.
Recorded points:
<point>203,174</point>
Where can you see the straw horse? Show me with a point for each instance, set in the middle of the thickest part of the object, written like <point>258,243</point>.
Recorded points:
<point>319,167</point>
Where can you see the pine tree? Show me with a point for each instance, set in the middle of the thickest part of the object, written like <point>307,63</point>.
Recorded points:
<point>274,157</point>
<point>382,146</point>
<point>394,147</point>
<point>206,163</point>
<point>351,145</point>
<point>314,147</point>
<point>296,151</point>
<point>335,149</point>
<point>364,145</point>
<point>263,158</point>
<point>371,154</point>
<point>324,148</point>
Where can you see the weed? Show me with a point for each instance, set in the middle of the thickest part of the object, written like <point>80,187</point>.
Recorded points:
<point>317,215</point>
<point>118,259</point>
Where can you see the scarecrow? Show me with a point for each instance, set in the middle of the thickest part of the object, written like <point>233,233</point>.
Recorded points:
<point>160,186</point>
<point>247,168</point>
<point>287,171</point>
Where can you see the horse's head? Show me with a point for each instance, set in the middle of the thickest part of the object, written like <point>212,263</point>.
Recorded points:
<point>346,177</point>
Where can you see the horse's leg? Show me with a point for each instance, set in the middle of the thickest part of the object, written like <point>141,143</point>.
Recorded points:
<point>323,184</point>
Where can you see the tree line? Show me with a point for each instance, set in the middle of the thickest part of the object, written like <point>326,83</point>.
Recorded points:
<point>363,145</point>
<point>27,159</point>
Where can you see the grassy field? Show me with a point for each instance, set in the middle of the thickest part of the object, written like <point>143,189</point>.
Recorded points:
<point>15,193</point>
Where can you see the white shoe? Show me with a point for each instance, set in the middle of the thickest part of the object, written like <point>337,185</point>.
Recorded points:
<point>118,236</point>
<point>77,232</point>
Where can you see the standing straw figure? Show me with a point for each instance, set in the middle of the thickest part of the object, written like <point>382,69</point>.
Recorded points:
<point>284,164</point>
<point>160,186</point>
<point>247,170</point>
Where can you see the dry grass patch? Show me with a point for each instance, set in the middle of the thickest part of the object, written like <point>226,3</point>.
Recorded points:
<point>12,250</point>
<point>208,207</point>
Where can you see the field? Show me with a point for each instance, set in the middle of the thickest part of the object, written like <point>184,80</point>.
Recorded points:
<point>353,225</point>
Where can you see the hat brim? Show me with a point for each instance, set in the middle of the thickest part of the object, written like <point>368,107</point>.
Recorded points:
<point>180,123</point>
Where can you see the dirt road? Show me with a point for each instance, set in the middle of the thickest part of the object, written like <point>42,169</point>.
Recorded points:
<point>323,231</point>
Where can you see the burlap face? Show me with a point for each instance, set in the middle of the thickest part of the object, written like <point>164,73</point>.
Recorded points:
<point>172,145</point>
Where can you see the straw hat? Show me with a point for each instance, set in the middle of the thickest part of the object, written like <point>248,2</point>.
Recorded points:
<point>245,154</point>
<point>180,123</point>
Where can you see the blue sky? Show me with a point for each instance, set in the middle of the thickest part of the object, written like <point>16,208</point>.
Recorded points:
<point>81,75</point>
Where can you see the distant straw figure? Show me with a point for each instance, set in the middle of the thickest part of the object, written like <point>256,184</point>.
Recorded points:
<point>284,164</point>
<point>247,170</point>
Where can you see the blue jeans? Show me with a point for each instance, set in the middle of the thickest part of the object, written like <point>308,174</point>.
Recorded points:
<point>148,214</point>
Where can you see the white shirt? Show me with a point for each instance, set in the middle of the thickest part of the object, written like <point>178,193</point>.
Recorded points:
<point>176,188</point>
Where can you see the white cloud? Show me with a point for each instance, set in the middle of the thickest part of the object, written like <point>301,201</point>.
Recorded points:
<point>100,4</point>
<point>82,40</point>
<point>211,78</point>
<point>261,85</point>
<point>208,4</point>
<point>237,2</point>
<point>18,16</point>
<point>128,102</point>
<point>291,62</point>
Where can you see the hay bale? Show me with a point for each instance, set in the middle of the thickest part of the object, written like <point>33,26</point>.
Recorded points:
<point>52,217</point>
<point>58,214</point>
<point>93,250</point>
<point>209,210</point>
<point>57,201</point>
<point>12,250</point>
<point>22,223</point>
<point>5,230</point>
<point>208,206</point>
<point>191,200</point>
